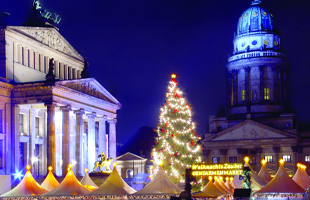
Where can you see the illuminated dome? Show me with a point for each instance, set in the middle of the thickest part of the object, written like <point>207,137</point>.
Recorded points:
<point>255,18</point>
<point>256,30</point>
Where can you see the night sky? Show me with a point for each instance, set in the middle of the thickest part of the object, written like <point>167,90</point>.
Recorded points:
<point>134,45</point>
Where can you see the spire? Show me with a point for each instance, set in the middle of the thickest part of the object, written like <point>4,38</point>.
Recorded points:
<point>256,2</point>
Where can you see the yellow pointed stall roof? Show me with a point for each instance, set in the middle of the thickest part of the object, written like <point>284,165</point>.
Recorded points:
<point>263,173</point>
<point>257,181</point>
<point>87,182</point>
<point>114,185</point>
<point>281,183</point>
<point>27,187</point>
<point>161,184</point>
<point>69,186</point>
<point>219,187</point>
<point>232,183</point>
<point>222,184</point>
<point>211,189</point>
<point>202,195</point>
<point>50,182</point>
<point>300,178</point>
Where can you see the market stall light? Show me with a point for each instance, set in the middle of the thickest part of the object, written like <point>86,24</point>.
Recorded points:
<point>70,166</point>
<point>86,170</point>
<point>281,161</point>
<point>264,162</point>
<point>50,168</point>
<point>246,159</point>
<point>18,175</point>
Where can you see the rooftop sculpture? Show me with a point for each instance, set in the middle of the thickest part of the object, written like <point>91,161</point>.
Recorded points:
<point>41,17</point>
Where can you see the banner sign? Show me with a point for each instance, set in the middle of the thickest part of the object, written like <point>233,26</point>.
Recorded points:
<point>225,169</point>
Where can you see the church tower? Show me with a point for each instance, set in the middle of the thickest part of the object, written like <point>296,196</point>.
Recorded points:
<point>256,122</point>
<point>257,70</point>
<point>257,83</point>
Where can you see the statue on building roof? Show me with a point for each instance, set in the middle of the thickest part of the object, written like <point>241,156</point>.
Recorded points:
<point>84,73</point>
<point>50,77</point>
<point>41,17</point>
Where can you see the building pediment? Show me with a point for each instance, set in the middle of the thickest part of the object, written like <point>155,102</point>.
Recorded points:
<point>47,36</point>
<point>90,87</point>
<point>129,156</point>
<point>250,130</point>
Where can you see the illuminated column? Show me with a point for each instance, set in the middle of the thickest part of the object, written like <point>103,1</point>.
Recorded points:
<point>241,153</point>
<point>91,140</point>
<point>9,136</point>
<point>72,144</point>
<point>261,82</point>
<point>295,160</point>
<point>15,140</point>
<point>258,151</point>
<point>235,87</point>
<point>112,139</point>
<point>276,161</point>
<point>229,88</point>
<point>206,155</point>
<point>79,142</point>
<point>51,149</point>
<point>247,75</point>
<point>31,58</point>
<point>223,155</point>
<point>102,135</point>
<point>65,137</point>
<point>275,84</point>
<point>32,160</point>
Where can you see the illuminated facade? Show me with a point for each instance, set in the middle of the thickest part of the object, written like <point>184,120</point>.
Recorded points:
<point>257,121</point>
<point>50,122</point>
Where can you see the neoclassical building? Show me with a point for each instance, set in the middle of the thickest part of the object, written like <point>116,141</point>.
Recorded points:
<point>50,115</point>
<point>257,120</point>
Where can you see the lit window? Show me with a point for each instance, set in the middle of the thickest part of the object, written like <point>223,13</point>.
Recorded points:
<point>269,159</point>
<point>266,94</point>
<point>21,123</point>
<point>286,158</point>
<point>216,160</point>
<point>243,95</point>
<point>307,158</point>
<point>37,120</point>
<point>233,159</point>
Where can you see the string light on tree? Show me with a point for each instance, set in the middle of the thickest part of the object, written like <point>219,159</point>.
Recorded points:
<point>176,145</point>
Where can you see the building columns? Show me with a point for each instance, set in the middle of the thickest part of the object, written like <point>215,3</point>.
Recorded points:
<point>51,142</point>
<point>276,151</point>
<point>65,137</point>
<point>79,142</point>
<point>261,82</point>
<point>15,132</point>
<point>102,136</point>
<point>91,140</point>
<point>32,130</point>
<point>258,151</point>
<point>112,139</point>
<point>223,153</point>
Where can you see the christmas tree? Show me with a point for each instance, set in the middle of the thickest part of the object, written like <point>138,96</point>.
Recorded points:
<point>176,145</point>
